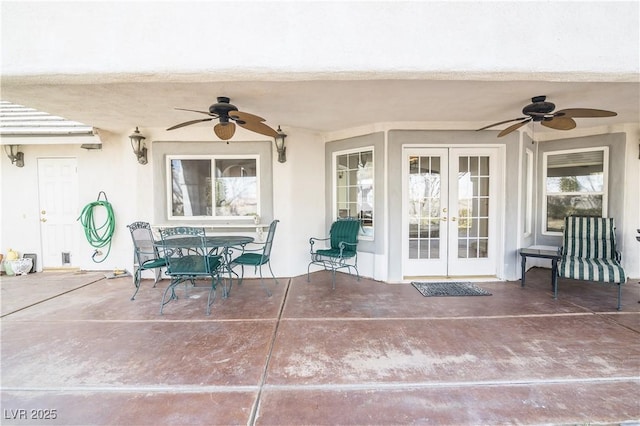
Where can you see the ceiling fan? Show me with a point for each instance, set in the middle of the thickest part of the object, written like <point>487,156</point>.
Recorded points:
<point>541,111</point>
<point>229,116</point>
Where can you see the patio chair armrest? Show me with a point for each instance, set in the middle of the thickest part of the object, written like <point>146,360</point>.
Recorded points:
<point>343,245</point>
<point>618,256</point>
<point>167,252</point>
<point>139,251</point>
<point>230,250</point>
<point>313,240</point>
<point>254,247</point>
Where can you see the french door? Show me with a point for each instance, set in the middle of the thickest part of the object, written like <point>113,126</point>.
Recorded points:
<point>450,212</point>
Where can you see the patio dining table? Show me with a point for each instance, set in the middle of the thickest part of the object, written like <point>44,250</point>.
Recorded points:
<point>222,245</point>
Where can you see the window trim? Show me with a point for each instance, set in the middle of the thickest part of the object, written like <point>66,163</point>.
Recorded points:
<point>528,201</point>
<point>212,158</point>
<point>334,185</point>
<point>605,182</point>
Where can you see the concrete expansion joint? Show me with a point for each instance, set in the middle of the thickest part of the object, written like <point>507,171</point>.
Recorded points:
<point>187,389</point>
<point>172,389</point>
<point>426,385</point>
<point>450,318</point>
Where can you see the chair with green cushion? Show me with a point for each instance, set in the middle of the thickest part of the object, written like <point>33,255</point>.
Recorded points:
<point>257,255</point>
<point>187,260</point>
<point>589,252</point>
<point>342,251</point>
<point>145,254</point>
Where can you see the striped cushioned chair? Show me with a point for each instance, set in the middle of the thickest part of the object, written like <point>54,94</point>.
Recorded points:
<point>342,251</point>
<point>589,252</point>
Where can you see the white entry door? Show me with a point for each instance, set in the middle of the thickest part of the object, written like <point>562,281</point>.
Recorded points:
<point>450,212</point>
<point>58,195</point>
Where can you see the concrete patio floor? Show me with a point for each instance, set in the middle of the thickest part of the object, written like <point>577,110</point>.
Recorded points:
<point>77,351</point>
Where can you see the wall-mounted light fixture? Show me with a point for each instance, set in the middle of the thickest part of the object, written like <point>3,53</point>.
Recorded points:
<point>138,146</point>
<point>282,150</point>
<point>15,155</point>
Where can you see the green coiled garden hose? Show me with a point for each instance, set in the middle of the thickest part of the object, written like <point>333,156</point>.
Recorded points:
<point>98,236</point>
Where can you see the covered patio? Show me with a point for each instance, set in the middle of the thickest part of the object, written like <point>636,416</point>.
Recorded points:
<point>367,352</point>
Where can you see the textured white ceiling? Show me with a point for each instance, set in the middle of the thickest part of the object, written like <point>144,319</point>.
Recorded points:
<point>325,106</point>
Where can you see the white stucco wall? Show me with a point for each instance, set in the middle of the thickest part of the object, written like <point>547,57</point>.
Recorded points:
<point>450,39</point>
<point>129,187</point>
<point>298,199</point>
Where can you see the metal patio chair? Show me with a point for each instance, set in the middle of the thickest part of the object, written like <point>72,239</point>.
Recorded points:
<point>187,260</point>
<point>342,251</point>
<point>146,255</point>
<point>258,255</point>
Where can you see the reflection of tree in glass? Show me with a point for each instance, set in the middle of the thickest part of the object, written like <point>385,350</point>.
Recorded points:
<point>208,196</point>
<point>176,193</point>
<point>569,184</point>
<point>234,195</point>
<point>560,206</point>
<point>425,194</point>
<point>236,187</point>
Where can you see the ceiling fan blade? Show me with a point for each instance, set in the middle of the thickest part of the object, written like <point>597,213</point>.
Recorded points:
<point>513,127</point>
<point>559,123</point>
<point>258,127</point>
<point>225,131</point>
<point>244,116</point>
<point>188,123</point>
<point>252,122</point>
<point>195,110</point>
<point>502,122</point>
<point>585,112</point>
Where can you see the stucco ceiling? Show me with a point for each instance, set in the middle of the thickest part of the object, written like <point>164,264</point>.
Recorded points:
<point>321,105</point>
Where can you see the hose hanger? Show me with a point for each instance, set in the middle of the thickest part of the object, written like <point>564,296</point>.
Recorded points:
<point>98,236</point>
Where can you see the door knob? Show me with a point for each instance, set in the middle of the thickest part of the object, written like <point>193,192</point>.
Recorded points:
<point>44,219</point>
<point>444,218</point>
<point>43,212</point>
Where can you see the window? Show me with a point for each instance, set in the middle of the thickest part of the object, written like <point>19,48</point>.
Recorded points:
<point>210,187</point>
<point>353,179</point>
<point>575,183</point>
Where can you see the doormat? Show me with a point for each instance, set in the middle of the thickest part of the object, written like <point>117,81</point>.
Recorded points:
<point>443,289</point>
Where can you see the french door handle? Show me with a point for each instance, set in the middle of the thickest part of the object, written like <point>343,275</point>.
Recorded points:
<point>453,219</point>
<point>444,218</point>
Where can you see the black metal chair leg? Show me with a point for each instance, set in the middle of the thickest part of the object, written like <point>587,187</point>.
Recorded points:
<point>263,285</point>
<point>212,294</point>
<point>272,274</point>
<point>136,283</point>
<point>619,297</point>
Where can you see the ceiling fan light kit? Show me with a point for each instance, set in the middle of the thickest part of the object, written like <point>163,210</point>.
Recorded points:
<point>224,131</point>
<point>541,111</point>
